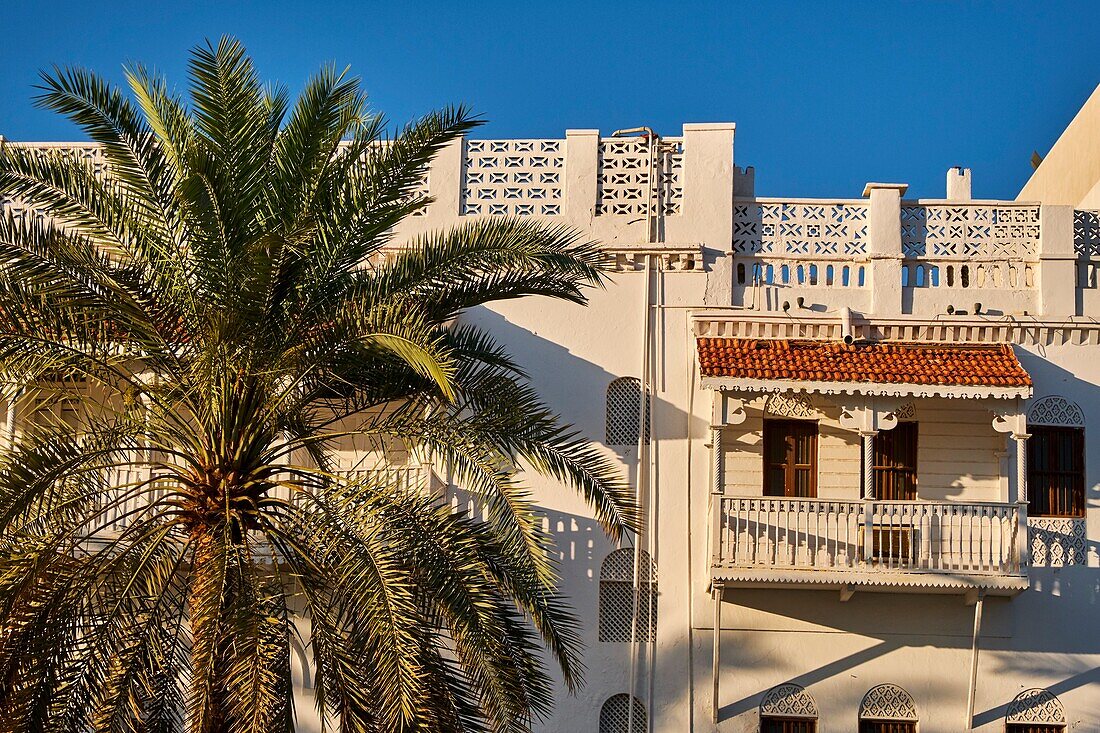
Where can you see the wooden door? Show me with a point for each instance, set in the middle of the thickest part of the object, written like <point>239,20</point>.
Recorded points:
<point>790,458</point>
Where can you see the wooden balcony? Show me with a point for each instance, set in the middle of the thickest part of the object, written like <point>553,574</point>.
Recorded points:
<point>868,545</point>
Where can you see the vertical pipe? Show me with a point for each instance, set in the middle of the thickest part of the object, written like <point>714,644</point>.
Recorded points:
<point>643,423</point>
<point>974,661</point>
<point>653,488</point>
<point>716,659</point>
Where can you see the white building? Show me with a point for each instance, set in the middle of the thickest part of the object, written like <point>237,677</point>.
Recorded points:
<point>871,459</point>
<point>857,520</point>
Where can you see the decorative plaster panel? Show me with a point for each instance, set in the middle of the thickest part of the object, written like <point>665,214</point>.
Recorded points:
<point>788,701</point>
<point>1036,706</point>
<point>887,702</point>
<point>789,405</point>
<point>1057,541</point>
<point>1055,410</point>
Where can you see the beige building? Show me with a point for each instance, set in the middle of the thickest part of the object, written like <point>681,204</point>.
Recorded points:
<point>867,453</point>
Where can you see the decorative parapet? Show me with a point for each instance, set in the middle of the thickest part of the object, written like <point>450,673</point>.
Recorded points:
<point>1056,541</point>
<point>969,231</point>
<point>513,177</point>
<point>956,330</point>
<point>1086,245</point>
<point>801,228</point>
<point>1086,234</point>
<point>623,176</point>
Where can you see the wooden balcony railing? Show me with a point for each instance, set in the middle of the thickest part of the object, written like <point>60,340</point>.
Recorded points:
<point>868,536</point>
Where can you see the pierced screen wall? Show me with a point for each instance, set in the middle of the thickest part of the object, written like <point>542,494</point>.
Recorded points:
<point>623,184</point>
<point>888,703</point>
<point>623,396</point>
<point>615,715</point>
<point>513,177</point>
<point>788,701</point>
<point>1035,707</point>
<point>617,596</point>
<point>1056,411</point>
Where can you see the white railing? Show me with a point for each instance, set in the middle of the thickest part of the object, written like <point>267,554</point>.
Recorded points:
<point>930,537</point>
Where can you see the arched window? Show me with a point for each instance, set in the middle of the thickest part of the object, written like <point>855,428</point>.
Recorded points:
<point>788,708</point>
<point>616,715</point>
<point>1056,458</point>
<point>887,709</point>
<point>1035,711</point>
<point>617,596</point>
<point>623,397</point>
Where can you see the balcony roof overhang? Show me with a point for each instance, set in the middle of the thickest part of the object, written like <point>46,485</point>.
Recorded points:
<point>895,369</point>
<point>864,388</point>
<point>882,581</point>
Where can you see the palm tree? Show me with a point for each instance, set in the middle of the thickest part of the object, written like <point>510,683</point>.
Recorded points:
<point>211,319</point>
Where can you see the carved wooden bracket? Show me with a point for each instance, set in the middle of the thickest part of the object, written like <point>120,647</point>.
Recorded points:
<point>727,410</point>
<point>871,415</point>
<point>1010,417</point>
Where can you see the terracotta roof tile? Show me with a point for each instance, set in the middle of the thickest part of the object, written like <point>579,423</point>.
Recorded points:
<point>889,363</point>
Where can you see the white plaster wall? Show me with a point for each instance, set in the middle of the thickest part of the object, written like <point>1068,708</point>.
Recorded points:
<point>1046,637</point>
<point>1071,168</point>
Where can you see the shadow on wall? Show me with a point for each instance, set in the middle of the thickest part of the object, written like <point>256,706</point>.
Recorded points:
<point>572,385</point>
<point>1030,638</point>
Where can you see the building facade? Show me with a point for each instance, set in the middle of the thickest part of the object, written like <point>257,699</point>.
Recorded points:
<point>863,432</point>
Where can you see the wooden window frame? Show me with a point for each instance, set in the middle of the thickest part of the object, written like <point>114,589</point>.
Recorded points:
<point>790,467</point>
<point>875,725</point>
<point>786,724</point>
<point>889,467</point>
<point>1035,727</point>
<point>1038,481</point>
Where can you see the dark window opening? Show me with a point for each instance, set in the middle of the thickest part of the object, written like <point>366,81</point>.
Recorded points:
<point>887,726</point>
<point>895,463</point>
<point>769,724</point>
<point>790,458</point>
<point>1056,472</point>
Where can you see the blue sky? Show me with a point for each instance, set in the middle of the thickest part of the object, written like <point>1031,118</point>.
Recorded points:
<point>826,96</point>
